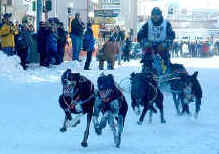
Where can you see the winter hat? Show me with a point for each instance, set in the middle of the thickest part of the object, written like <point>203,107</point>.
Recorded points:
<point>77,14</point>
<point>156,11</point>
<point>7,15</point>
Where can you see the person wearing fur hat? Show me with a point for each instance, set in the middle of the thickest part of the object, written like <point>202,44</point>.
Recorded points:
<point>156,36</point>
<point>7,32</point>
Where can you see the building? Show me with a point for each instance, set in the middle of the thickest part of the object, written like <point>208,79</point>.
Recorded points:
<point>16,7</point>
<point>186,21</point>
<point>126,11</point>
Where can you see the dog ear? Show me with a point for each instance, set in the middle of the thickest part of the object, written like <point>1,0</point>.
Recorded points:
<point>65,75</point>
<point>195,74</point>
<point>132,75</point>
<point>68,70</point>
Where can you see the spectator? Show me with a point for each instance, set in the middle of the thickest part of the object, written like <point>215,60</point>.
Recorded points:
<point>127,49</point>
<point>77,29</point>
<point>21,45</point>
<point>27,35</point>
<point>62,34</point>
<point>118,36</point>
<point>88,45</point>
<point>52,49</point>
<point>7,33</point>
<point>42,44</point>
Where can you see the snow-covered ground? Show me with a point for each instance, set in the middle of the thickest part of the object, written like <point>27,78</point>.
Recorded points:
<point>30,116</point>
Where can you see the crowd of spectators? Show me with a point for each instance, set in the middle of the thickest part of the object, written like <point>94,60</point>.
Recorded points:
<point>54,43</point>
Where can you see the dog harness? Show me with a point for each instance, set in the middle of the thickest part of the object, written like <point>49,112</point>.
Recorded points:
<point>68,90</point>
<point>109,95</point>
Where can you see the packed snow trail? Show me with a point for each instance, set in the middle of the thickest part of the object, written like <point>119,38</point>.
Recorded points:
<point>31,117</point>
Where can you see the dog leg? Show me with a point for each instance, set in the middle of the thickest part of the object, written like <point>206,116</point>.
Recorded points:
<point>120,130</point>
<point>162,120</point>
<point>197,107</point>
<point>103,120</point>
<point>120,124</point>
<point>96,125</point>
<point>117,136</point>
<point>64,127</point>
<point>114,106</point>
<point>86,133</point>
<point>76,120</point>
<point>142,115</point>
<point>159,104</point>
<point>150,116</point>
<point>176,103</point>
<point>97,109</point>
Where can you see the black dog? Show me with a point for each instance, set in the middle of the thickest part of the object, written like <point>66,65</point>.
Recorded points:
<point>145,92</point>
<point>185,88</point>
<point>113,106</point>
<point>78,98</point>
<point>189,91</point>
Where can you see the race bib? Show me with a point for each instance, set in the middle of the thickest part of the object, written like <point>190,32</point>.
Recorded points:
<point>157,33</point>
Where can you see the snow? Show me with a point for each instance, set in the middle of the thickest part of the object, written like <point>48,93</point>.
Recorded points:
<point>31,117</point>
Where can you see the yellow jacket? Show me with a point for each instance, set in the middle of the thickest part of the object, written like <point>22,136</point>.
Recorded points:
<point>7,36</point>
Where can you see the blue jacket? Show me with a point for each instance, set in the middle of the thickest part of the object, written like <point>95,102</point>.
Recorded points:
<point>52,42</point>
<point>89,41</point>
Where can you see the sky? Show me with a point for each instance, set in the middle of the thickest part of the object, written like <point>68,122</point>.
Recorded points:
<point>31,117</point>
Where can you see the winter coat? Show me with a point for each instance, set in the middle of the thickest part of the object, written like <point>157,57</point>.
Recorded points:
<point>89,41</point>
<point>7,36</point>
<point>108,51</point>
<point>77,28</point>
<point>42,39</point>
<point>52,42</point>
<point>21,41</point>
<point>61,38</point>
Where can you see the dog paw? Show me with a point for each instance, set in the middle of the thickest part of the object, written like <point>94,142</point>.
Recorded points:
<point>139,122</point>
<point>63,129</point>
<point>84,144</point>
<point>196,116</point>
<point>163,121</point>
<point>117,140</point>
<point>98,131</point>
